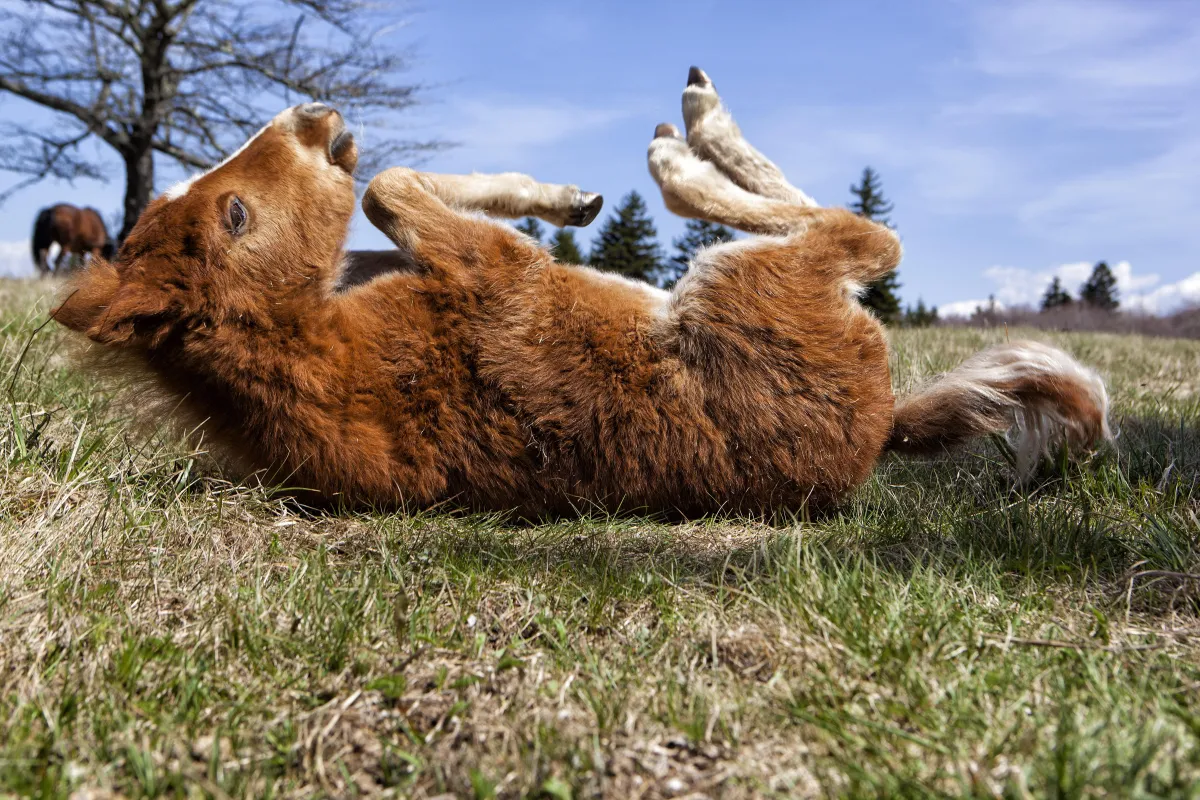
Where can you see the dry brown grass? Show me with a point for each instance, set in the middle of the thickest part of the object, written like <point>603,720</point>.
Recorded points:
<point>1182,324</point>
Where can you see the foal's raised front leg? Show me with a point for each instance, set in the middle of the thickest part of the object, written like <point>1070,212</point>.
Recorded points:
<point>513,195</point>
<point>406,206</point>
<point>410,208</point>
<point>422,213</point>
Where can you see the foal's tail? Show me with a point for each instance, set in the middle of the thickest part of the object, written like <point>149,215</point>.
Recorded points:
<point>1046,395</point>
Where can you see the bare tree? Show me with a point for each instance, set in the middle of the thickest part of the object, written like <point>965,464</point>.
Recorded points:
<point>185,79</point>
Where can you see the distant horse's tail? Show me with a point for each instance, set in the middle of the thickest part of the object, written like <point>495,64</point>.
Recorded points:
<point>1046,395</point>
<point>43,236</point>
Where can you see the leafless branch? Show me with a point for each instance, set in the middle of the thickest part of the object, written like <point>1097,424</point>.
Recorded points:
<point>187,79</point>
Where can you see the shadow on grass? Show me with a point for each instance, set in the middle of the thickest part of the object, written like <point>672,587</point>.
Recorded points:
<point>1161,453</point>
<point>1127,510</point>
<point>1125,513</point>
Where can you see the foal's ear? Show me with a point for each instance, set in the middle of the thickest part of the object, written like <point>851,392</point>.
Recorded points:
<point>86,296</point>
<point>96,304</point>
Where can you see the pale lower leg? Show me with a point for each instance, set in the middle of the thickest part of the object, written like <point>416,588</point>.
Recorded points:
<point>441,240</point>
<point>715,137</point>
<point>513,195</point>
<point>401,203</point>
<point>697,189</point>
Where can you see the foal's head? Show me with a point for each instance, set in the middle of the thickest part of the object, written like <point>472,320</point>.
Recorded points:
<point>260,230</point>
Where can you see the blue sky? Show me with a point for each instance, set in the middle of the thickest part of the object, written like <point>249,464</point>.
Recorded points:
<point>1018,140</point>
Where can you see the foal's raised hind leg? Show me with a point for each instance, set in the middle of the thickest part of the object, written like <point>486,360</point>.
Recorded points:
<point>741,188</point>
<point>794,369</point>
<point>697,189</point>
<point>715,137</point>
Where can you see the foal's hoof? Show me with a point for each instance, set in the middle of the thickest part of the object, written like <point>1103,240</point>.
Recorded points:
<point>666,130</point>
<point>696,77</point>
<point>587,208</point>
<point>699,98</point>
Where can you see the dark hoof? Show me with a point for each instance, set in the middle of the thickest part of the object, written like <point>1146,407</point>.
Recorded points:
<point>696,77</point>
<point>587,208</point>
<point>667,130</point>
<point>314,110</point>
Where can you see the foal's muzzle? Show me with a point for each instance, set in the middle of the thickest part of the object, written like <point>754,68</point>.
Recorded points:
<point>318,125</point>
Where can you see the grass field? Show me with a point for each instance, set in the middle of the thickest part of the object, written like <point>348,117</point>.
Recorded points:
<point>163,632</point>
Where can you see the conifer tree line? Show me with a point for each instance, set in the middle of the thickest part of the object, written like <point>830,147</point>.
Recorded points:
<point>627,244</point>
<point>1098,291</point>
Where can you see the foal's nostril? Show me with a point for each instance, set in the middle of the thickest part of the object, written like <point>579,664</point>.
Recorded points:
<point>314,110</point>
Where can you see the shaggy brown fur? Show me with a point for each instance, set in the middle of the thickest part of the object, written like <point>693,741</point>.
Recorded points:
<point>487,375</point>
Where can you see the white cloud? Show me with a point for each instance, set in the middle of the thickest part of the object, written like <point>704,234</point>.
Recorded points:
<point>1167,298</point>
<point>1067,71</point>
<point>955,179</point>
<point>1064,38</point>
<point>15,260</point>
<point>1089,59</point>
<point>965,308</point>
<point>1016,286</point>
<point>498,134</point>
<point>1034,128</point>
<point>934,167</point>
<point>1157,197</point>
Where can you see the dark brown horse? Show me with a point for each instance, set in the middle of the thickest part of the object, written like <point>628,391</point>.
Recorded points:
<point>78,231</point>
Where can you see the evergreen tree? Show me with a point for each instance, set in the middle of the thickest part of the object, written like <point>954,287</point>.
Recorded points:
<point>564,248</point>
<point>530,226</point>
<point>882,297</point>
<point>868,199</point>
<point>1100,290</point>
<point>626,244</point>
<point>697,234</point>
<point>921,317</point>
<point>1056,296</point>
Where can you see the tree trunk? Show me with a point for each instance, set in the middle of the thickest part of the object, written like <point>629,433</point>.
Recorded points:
<point>139,186</point>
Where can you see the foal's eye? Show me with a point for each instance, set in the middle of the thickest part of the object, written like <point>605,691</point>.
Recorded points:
<point>236,217</point>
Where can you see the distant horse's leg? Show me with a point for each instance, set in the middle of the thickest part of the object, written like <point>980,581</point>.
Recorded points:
<point>93,235</point>
<point>62,264</point>
<point>513,195</point>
